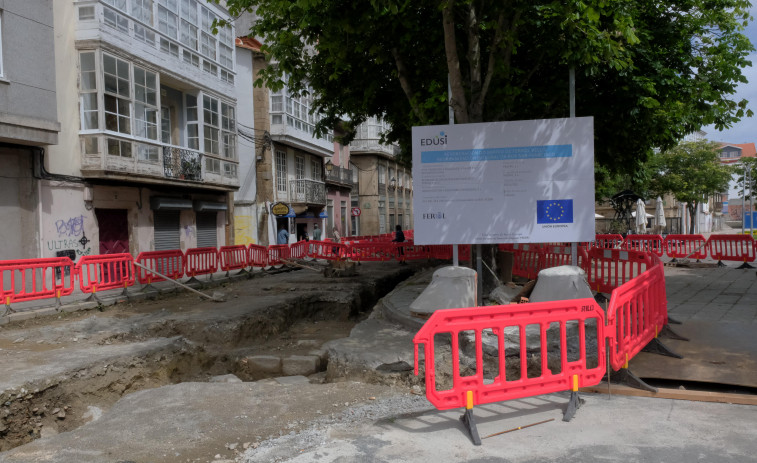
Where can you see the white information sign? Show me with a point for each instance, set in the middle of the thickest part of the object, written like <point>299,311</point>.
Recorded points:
<point>504,182</point>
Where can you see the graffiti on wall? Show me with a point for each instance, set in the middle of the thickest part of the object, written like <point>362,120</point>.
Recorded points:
<point>71,237</point>
<point>74,226</point>
<point>189,231</point>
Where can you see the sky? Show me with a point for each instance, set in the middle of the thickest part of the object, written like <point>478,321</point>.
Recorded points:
<point>746,130</point>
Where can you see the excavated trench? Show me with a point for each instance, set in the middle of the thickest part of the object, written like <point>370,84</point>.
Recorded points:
<point>175,350</point>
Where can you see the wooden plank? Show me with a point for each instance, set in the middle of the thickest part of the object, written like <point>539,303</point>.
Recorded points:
<point>676,394</point>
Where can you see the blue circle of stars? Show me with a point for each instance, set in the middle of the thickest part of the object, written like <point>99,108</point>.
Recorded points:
<point>555,211</point>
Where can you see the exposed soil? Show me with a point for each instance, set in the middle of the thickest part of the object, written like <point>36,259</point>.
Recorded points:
<point>173,339</point>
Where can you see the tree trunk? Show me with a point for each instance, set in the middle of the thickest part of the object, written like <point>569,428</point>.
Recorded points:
<point>692,216</point>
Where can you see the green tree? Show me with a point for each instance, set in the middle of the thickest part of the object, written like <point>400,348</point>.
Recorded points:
<point>691,171</point>
<point>648,71</point>
<point>746,169</point>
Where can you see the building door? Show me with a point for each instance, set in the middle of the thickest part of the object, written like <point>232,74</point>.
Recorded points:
<point>114,230</point>
<point>207,237</point>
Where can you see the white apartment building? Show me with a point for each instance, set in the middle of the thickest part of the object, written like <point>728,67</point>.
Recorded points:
<point>146,100</point>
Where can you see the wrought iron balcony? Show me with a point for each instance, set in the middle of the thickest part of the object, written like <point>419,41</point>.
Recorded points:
<point>339,175</point>
<point>307,191</point>
<point>182,163</point>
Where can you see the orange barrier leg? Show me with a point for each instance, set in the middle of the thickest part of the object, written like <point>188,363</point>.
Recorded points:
<point>469,421</point>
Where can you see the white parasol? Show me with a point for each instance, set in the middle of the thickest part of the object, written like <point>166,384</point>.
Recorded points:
<point>641,217</point>
<point>659,214</point>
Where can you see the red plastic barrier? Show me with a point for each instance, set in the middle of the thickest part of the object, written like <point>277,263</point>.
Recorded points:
<point>527,260</point>
<point>370,252</point>
<point>737,248</point>
<point>637,312</point>
<point>258,256</point>
<point>689,246</point>
<point>106,271</point>
<point>644,243</point>
<point>409,251</point>
<point>555,256</point>
<point>32,279</point>
<point>233,257</point>
<point>276,252</point>
<point>299,250</point>
<point>607,241</point>
<point>201,261</point>
<point>607,269</point>
<point>329,251</point>
<point>169,263</point>
<point>564,372</point>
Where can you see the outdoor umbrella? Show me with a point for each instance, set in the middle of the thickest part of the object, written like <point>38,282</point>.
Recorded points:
<point>659,215</point>
<point>641,217</point>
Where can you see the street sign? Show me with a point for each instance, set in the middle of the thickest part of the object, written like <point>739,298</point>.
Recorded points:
<point>356,212</point>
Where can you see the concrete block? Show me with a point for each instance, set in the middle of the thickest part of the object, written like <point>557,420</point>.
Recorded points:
<point>264,364</point>
<point>450,288</point>
<point>561,283</point>
<point>300,365</point>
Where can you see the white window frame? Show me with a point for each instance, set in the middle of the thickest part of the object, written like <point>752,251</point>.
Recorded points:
<point>2,68</point>
<point>281,171</point>
<point>315,169</point>
<point>120,98</point>
<point>85,94</point>
<point>211,133</point>
<point>228,131</point>
<point>146,108</point>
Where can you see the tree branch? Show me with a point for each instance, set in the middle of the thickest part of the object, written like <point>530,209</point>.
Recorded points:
<point>406,87</point>
<point>458,101</point>
<point>492,59</point>
<point>474,64</point>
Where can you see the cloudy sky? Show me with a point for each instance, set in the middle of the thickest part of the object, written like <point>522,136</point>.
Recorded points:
<point>746,130</point>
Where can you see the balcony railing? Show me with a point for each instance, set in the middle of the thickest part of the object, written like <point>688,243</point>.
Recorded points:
<point>182,164</point>
<point>307,191</point>
<point>339,175</point>
<point>372,145</point>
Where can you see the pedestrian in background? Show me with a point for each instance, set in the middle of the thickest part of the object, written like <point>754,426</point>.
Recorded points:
<point>283,236</point>
<point>399,237</point>
<point>316,233</point>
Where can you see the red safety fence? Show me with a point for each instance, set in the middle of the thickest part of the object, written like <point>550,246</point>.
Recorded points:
<point>32,279</point>
<point>201,261</point>
<point>409,251</point>
<point>555,256</point>
<point>106,271</point>
<point>527,260</point>
<point>169,263</point>
<point>370,251</point>
<point>233,257</point>
<point>637,312</point>
<point>689,246</point>
<point>277,252</point>
<point>299,250</point>
<point>607,241</point>
<point>328,251</point>
<point>607,269</point>
<point>258,256</point>
<point>644,243</point>
<point>738,248</point>
<point>562,332</point>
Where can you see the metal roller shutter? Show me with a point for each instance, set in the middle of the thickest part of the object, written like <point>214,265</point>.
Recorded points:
<point>167,230</point>
<point>206,230</point>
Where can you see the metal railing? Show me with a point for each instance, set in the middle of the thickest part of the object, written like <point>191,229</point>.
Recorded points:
<point>307,191</point>
<point>181,163</point>
<point>339,175</point>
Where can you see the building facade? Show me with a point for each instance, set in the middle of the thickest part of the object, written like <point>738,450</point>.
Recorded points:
<point>289,161</point>
<point>28,121</point>
<point>146,96</point>
<point>385,191</point>
<point>340,181</point>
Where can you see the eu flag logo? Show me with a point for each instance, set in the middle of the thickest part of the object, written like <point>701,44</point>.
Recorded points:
<point>554,211</point>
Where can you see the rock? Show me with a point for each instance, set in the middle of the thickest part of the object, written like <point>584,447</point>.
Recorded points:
<point>291,380</point>
<point>61,415</point>
<point>218,296</point>
<point>395,367</point>
<point>225,379</point>
<point>300,365</point>
<point>55,411</point>
<point>18,340</point>
<point>503,294</point>
<point>263,364</point>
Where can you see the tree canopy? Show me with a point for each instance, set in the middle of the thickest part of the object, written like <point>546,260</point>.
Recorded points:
<point>648,71</point>
<point>746,177</point>
<point>691,171</point>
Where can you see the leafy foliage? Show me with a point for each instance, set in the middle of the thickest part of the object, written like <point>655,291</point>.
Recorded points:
<point>649,71</point>
<point>746,169</point>
<point>691,171</point>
